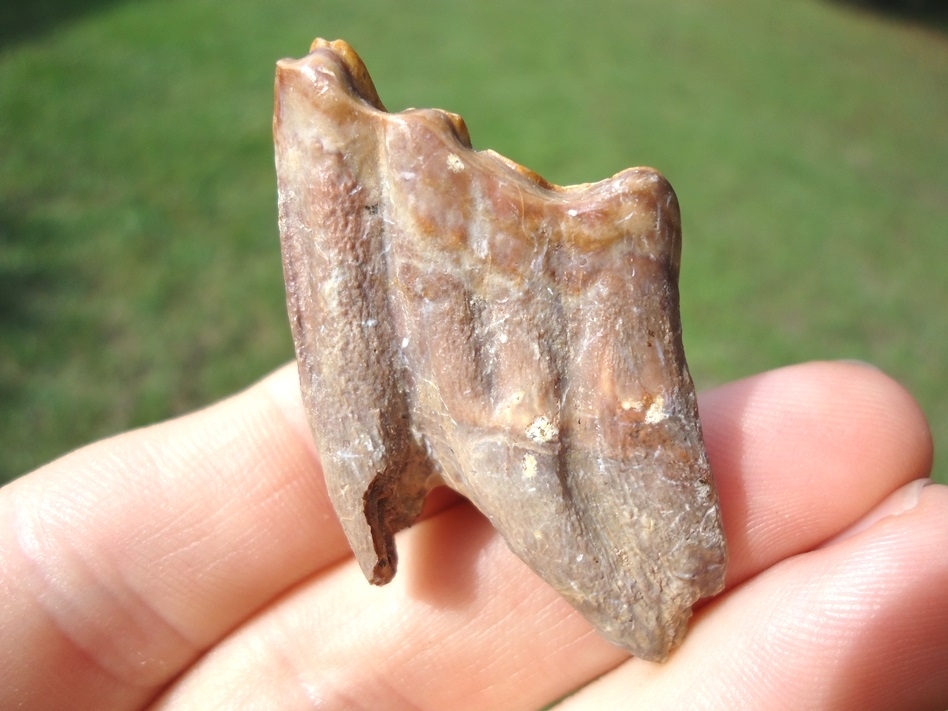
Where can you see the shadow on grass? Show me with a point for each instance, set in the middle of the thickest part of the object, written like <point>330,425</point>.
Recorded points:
<point>23,274</point>
<point>20,278</point>
<point>39,290</point>
<point>33,284</point>
<point>20,21</point>
<point>931,13</point>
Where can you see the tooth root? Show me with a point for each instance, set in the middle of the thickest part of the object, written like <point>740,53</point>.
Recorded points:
<point>458,319</point>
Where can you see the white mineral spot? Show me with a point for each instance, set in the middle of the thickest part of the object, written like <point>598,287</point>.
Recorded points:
<point>310,73</point>
<point>405,342</point>
<point>455,164</point>
<point>542,431</point>
<point>631,404</point>
<point>656,411</point>
<point>529,466</point>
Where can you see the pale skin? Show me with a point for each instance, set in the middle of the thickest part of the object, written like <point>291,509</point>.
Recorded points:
<point>198,564</point>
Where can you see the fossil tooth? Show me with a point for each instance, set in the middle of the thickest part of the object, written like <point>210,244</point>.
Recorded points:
<point>459,320</point>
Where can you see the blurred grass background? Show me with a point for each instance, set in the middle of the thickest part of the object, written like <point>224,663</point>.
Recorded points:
<point>139,256</point>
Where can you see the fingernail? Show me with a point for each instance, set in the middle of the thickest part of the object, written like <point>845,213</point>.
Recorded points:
<point>856,361</point>
<point>898,502</point>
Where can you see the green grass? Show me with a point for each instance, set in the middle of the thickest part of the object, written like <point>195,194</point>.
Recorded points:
<point>139,257</point>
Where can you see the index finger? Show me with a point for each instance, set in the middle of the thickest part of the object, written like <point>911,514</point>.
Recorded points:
<point>122,561</point>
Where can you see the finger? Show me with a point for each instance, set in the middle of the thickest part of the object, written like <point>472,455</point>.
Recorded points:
<point>861,623</point>
<point>125,559</point>
<point>450,631</point>
<point>466,625</point>
<point>801,452</point>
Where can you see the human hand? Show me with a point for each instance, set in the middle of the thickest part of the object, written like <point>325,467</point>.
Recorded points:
<point>198,564</point>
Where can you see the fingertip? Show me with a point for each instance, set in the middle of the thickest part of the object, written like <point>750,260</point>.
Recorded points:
<point>885,416</point>
<point>801,453</point>
<point>282,389</point>
<point>283,385</point>
<point>809,396</point>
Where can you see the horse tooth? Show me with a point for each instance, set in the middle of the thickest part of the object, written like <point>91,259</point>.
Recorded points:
<point>459,320</point>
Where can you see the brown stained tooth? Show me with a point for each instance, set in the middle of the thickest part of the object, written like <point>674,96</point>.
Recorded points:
<point>459,320</point>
